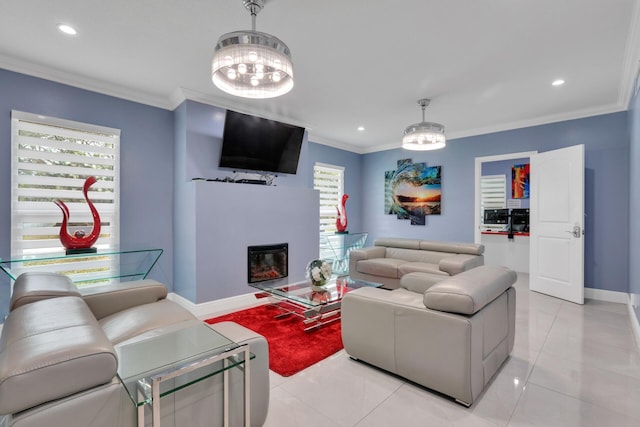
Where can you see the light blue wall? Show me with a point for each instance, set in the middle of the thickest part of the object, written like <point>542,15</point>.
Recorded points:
<point>146,152</point>
<point>198,142</point>
<point>606,140</point>
<point>504,167</point>
<point>352,163</point>
<point>634,203</point>
<point>155,141</point>
<point>203,142</point>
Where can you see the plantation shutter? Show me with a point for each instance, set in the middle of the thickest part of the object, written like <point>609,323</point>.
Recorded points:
<point>51,159</point>
<point>493,195</point>
<point>329,180</point>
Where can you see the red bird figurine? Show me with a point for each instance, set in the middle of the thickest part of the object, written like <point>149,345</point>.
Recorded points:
<point>79,240</point>
<point>341,220</point>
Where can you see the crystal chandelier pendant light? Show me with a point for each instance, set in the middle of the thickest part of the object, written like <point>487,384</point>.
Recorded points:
<point>424,136</point>
<point>251,64</point>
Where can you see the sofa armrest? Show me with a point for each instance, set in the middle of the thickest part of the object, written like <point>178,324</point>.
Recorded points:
<point>371,252</point>
<point>35,286</point>
<point>50,349</point>
<point>368,253</point>
<point>260,386</point>
<point>106,300</point>
<point>458,263</point>
<point>468,292</point>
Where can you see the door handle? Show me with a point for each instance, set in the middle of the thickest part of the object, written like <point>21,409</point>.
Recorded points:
<point>576,232</point>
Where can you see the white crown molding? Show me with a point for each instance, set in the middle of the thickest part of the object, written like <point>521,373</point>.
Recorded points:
<point>631,68</point>
<point>538,121</point>
<point>331,143</point>
<point>179,95</point>
<point>82,82</point>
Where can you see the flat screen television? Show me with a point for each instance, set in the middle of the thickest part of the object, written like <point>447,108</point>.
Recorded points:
<point>257,144</point>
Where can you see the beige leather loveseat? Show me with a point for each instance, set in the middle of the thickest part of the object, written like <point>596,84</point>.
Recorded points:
<point>450,335</point>
<point>58,357</point>
<point>391,258</point>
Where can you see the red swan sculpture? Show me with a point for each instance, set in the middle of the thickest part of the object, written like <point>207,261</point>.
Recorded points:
<point>341,220</point>
<point>79,240</point>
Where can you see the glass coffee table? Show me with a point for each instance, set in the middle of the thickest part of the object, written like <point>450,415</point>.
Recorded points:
<point>316,307</point>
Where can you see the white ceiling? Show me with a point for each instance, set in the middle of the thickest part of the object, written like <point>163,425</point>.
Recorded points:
<point>487,65</point>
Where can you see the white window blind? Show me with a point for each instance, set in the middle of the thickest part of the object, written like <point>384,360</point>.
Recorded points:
<point>51,159</point>
<point>329,180</point>
<point>493,195</point>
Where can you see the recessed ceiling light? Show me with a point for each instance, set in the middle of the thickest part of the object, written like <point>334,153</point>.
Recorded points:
<point>360,128</point>
<point>67,29</point>
<point>558,82</point>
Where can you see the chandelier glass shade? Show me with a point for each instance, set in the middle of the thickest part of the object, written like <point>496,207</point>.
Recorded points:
<point>424,136</point>
<point>251,64</point>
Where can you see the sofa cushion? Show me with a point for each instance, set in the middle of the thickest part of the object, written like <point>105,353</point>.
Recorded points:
<point>419,282</point>
<point>35,286</point>
<point>385,267</point>
<point>416,255</point>
<point>470,291</point>
<point>423,267</point>
<point>134,321</point>
<point>394,242</point>
<point>452,247</point>
<point>50,349</point>
<point>105,300</point>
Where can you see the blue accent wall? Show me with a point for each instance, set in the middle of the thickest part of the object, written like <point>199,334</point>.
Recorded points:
<point>352,164</point>
<point>146,151</point>
<point>606,140</point>
<point>198,142</point>
<point>634,204</point>
<point>156,142</point>
<point>504,167</point>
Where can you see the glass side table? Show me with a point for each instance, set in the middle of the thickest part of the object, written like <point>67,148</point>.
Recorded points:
<point>101,267</point>
<point>163,364</point>
<point>336,248</point>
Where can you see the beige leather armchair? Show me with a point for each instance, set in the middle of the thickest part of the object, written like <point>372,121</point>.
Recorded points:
<point>58,357</point>
<point>450,335</point>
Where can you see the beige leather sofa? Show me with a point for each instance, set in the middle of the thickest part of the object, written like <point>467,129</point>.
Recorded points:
<point>58,357</point>
<point>450,335</point>
<point>391,258</point>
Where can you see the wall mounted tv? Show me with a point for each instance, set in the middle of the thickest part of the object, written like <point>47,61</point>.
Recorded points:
<point>254,143</point>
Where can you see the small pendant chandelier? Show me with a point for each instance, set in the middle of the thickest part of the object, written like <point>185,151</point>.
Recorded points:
<point>424,135</point>
<point>251,64</point>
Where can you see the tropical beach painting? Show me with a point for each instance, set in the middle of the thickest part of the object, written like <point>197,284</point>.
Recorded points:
<point>413,191</point>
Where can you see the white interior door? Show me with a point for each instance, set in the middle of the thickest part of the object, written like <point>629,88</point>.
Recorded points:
<point>557,223</point>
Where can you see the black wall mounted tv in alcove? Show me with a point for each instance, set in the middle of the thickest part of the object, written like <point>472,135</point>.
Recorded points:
<point>254,143</point>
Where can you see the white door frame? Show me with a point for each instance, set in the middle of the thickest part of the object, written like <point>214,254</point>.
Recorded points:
<point>477,233</point>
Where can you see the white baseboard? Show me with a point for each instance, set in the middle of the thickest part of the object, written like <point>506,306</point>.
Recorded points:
<point>609,296</point>
<point>635,322</point>
<point>217,307</point>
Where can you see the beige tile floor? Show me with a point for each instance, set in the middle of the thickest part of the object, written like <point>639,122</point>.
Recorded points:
<point>571,366</point>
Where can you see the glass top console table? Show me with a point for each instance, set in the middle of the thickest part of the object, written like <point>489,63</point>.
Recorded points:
<point>164,364</point>
<point>100,267</point>
<point>336,248</point>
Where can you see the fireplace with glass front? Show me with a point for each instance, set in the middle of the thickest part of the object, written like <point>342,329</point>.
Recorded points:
<point>268,262</point>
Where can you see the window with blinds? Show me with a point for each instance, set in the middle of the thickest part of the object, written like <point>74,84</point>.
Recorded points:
<point>493,195</point>
<point>51,159</point>
<point>329,181</point>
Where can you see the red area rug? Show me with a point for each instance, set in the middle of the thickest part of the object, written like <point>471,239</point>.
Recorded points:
<point>291,349</point>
